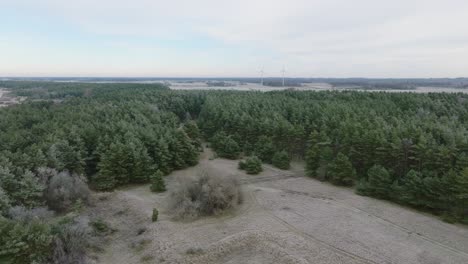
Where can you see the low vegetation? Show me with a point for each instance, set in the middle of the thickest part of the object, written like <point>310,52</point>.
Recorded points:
<point>205,194</point>
<point>33,236</point>
<point>157,182</point>
<point>154,216</point>
<point>252,165</point>
<point>281,160</point>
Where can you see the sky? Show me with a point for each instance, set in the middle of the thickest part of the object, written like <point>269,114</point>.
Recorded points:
<point>237,38</point>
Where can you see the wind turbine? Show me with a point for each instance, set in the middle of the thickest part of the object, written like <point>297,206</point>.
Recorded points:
<point>283,71</point>
<point>261,74</point>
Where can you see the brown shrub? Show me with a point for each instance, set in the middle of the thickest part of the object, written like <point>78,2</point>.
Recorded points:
<point>204,195</point>
<point>64,190</point>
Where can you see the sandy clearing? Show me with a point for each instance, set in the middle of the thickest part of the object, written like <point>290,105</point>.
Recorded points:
<point>305,87</point>
<point>285,218</point>
<point>6,99</point>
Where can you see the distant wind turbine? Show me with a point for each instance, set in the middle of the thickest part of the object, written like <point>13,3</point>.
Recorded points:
<point>283,71</point>
<point>261,74</point>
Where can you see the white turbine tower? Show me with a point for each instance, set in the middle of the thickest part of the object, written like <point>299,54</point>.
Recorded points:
<point>283,71</point>
<point>261,75</point>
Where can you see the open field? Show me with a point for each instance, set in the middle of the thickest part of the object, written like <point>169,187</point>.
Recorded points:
<point>305,87</point>
<point>6,99</point>
<point>285,218</point>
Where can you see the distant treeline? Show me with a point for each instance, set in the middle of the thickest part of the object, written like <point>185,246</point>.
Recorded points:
<point>365,83</point>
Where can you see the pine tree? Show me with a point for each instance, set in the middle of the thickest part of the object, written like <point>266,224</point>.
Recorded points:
<point>103,182</point>
<point>411,189</point>
<point>378,183</point>
<point>62,156</point>
<point>163,157</point>
<point>116,163</point>
<point>189,152</point>
<point>312,161</point>
<point>29,192</point>
<point>252,165</point>
<point>341,171</point>
<point>22,189</point>
<point>225,146</point>
<point>4,201</point>
<point>459,191</point>
<point>114,168</point>
<point>157,182</point>
<point>281,160</point>
<point>264,149</point>
<point>142,164</point>
<point>193,132</point>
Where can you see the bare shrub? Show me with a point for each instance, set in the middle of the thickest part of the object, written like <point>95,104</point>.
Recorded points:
<point>203,195</point>
<point>64,190</point>
<point>22,214</point>
<point>194,251</point>
<point>44,174</point>
<point>70,242</point>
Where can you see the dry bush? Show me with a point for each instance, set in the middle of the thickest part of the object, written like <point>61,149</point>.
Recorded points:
<point>206,194</point>
<point>70,243</point>
<point>22,214</point>
<point>64,190</point>
<point>44,174</point>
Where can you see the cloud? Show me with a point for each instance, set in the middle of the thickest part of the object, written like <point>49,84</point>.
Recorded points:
<point>311,37</point>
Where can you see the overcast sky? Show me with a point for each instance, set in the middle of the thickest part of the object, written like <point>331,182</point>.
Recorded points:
<point>201,38</point>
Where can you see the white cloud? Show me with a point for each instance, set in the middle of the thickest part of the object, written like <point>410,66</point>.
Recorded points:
<point>312,37</point>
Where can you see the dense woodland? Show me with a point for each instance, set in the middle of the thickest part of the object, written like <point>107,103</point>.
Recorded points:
<point>407,148</point>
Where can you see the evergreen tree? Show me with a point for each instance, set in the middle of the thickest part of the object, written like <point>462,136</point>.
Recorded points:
<point>4,201</point>
<point>189,152</point>
<point>378,183</point>
<point>183,152</point>
<point>281,160</point>
<point>264,149</point>
<point>410,191</point>
<point>115,164</point>
<point>225,146</point>
<point>312,161</point>
<point>157,182</point>
<point>458,184</point>
<point>29,192</point>
<point>163,157</point>
<point>22,189</point>
<point>62,156</point>
<point>252,165</point>
<point>193,132</point>
<point>341,171</point>
<point>142,164</point>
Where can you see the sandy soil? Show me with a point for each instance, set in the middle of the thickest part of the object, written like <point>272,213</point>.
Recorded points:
<point>285,218</point>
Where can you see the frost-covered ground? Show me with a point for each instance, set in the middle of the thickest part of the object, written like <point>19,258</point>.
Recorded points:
<point>285,218</point>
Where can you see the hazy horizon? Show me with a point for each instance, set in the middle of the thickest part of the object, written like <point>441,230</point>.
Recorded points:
<point>224,39</point>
